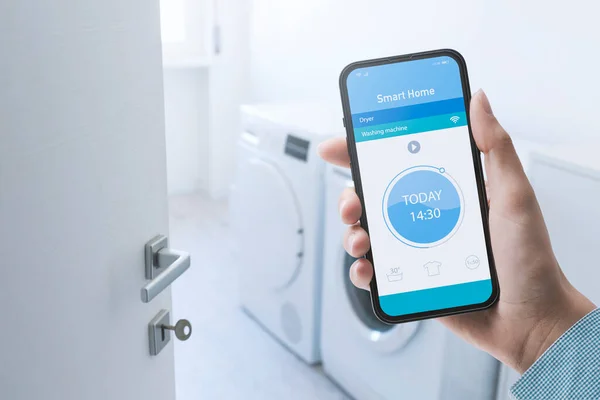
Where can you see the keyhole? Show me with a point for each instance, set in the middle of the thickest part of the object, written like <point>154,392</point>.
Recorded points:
<point>163,334</point>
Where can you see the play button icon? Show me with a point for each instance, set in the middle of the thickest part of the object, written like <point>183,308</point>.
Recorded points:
<point>414,147</point>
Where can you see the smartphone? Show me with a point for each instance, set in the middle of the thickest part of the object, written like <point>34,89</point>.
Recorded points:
<point>418,174</point>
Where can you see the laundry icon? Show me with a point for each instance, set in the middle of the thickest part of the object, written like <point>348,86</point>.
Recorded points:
<point>433,268</point>
<point>395,277</point>
<point>472,262</point>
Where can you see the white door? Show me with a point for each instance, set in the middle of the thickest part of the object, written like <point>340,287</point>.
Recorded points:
<point>82,189</point>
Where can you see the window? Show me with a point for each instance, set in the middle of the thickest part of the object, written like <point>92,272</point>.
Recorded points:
<point>172,20</point>
<point>186,30</point>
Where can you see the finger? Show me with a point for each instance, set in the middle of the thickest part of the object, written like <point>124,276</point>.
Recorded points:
<point>356,241</point>
<point>335,151</point>
<point>507,182</point>
<point>349,206</point>
<point>361,273</point>
<point>494,141</point>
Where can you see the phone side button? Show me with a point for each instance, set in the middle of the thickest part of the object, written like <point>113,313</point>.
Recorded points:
<point>344,122</point>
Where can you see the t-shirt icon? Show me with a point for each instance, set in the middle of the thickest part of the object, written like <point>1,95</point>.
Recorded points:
<point>432,268</point>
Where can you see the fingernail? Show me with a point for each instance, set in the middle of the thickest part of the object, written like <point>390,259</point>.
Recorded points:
<point>342,206</point>
<point>352,273</point>
<point>485,102</point>
<point>351,241</point>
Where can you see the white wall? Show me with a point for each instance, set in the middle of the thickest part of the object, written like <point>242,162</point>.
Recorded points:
<point>186,120</point>
<point>228,88</point>
<point>202,108</point>
<point>535,59</point>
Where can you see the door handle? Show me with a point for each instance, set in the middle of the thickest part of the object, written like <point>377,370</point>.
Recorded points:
<point>163,266</point>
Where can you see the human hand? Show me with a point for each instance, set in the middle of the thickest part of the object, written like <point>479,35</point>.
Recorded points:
<point>537,303</point>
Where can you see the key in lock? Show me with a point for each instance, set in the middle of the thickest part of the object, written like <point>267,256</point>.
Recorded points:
<point>182,329</point>
<point>159,331</point>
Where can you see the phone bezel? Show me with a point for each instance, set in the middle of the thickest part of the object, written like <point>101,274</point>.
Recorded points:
<point>354,167</point>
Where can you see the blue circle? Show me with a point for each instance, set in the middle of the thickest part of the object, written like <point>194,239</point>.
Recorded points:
<point>422,206</point>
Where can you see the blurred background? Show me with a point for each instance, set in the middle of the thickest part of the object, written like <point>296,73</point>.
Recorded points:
<point>251,88</point>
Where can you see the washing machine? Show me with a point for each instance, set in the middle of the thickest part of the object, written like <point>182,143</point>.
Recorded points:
<point>276,210</point>
<point>372,360</point>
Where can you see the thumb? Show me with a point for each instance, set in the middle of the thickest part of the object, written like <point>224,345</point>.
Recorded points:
<point>507,182</point>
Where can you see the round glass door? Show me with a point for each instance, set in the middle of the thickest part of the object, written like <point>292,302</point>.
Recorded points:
<point>360,301</point>
<point>383,337</point>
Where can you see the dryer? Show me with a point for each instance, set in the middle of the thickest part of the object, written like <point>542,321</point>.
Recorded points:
<point>276,211</point>
<point>372,360</point>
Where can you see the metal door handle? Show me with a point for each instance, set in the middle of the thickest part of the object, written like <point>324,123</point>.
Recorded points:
<point>163,266</point>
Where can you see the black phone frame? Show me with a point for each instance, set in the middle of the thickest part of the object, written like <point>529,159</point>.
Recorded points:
<point>354,167</point>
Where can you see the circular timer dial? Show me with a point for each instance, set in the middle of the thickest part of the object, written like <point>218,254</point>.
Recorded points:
<point>423,206</point>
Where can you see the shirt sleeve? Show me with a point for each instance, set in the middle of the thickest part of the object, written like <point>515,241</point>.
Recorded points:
<point>569,369</point>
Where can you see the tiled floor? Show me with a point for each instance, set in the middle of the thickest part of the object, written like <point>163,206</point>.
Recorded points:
<point>228,356</point>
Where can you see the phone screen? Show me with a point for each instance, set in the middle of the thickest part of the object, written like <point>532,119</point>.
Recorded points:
<point>419,185</point>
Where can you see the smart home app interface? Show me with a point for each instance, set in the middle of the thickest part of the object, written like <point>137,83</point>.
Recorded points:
<point>419,185</point>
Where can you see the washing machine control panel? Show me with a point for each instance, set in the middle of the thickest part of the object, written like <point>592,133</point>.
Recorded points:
<point>296,147</point>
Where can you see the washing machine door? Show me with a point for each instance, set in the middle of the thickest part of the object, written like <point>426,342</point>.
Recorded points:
<point>267,225</point>
<point>380,336</point>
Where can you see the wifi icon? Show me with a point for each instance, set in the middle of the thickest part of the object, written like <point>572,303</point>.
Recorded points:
<point>454,119</point>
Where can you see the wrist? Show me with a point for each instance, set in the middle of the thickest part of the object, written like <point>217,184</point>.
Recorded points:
<point>550,327</point>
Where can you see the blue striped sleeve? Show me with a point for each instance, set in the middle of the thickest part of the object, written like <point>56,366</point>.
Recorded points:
<point>569,369</point>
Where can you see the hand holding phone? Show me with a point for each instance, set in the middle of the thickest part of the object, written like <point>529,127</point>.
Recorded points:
<point>537,303</point>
